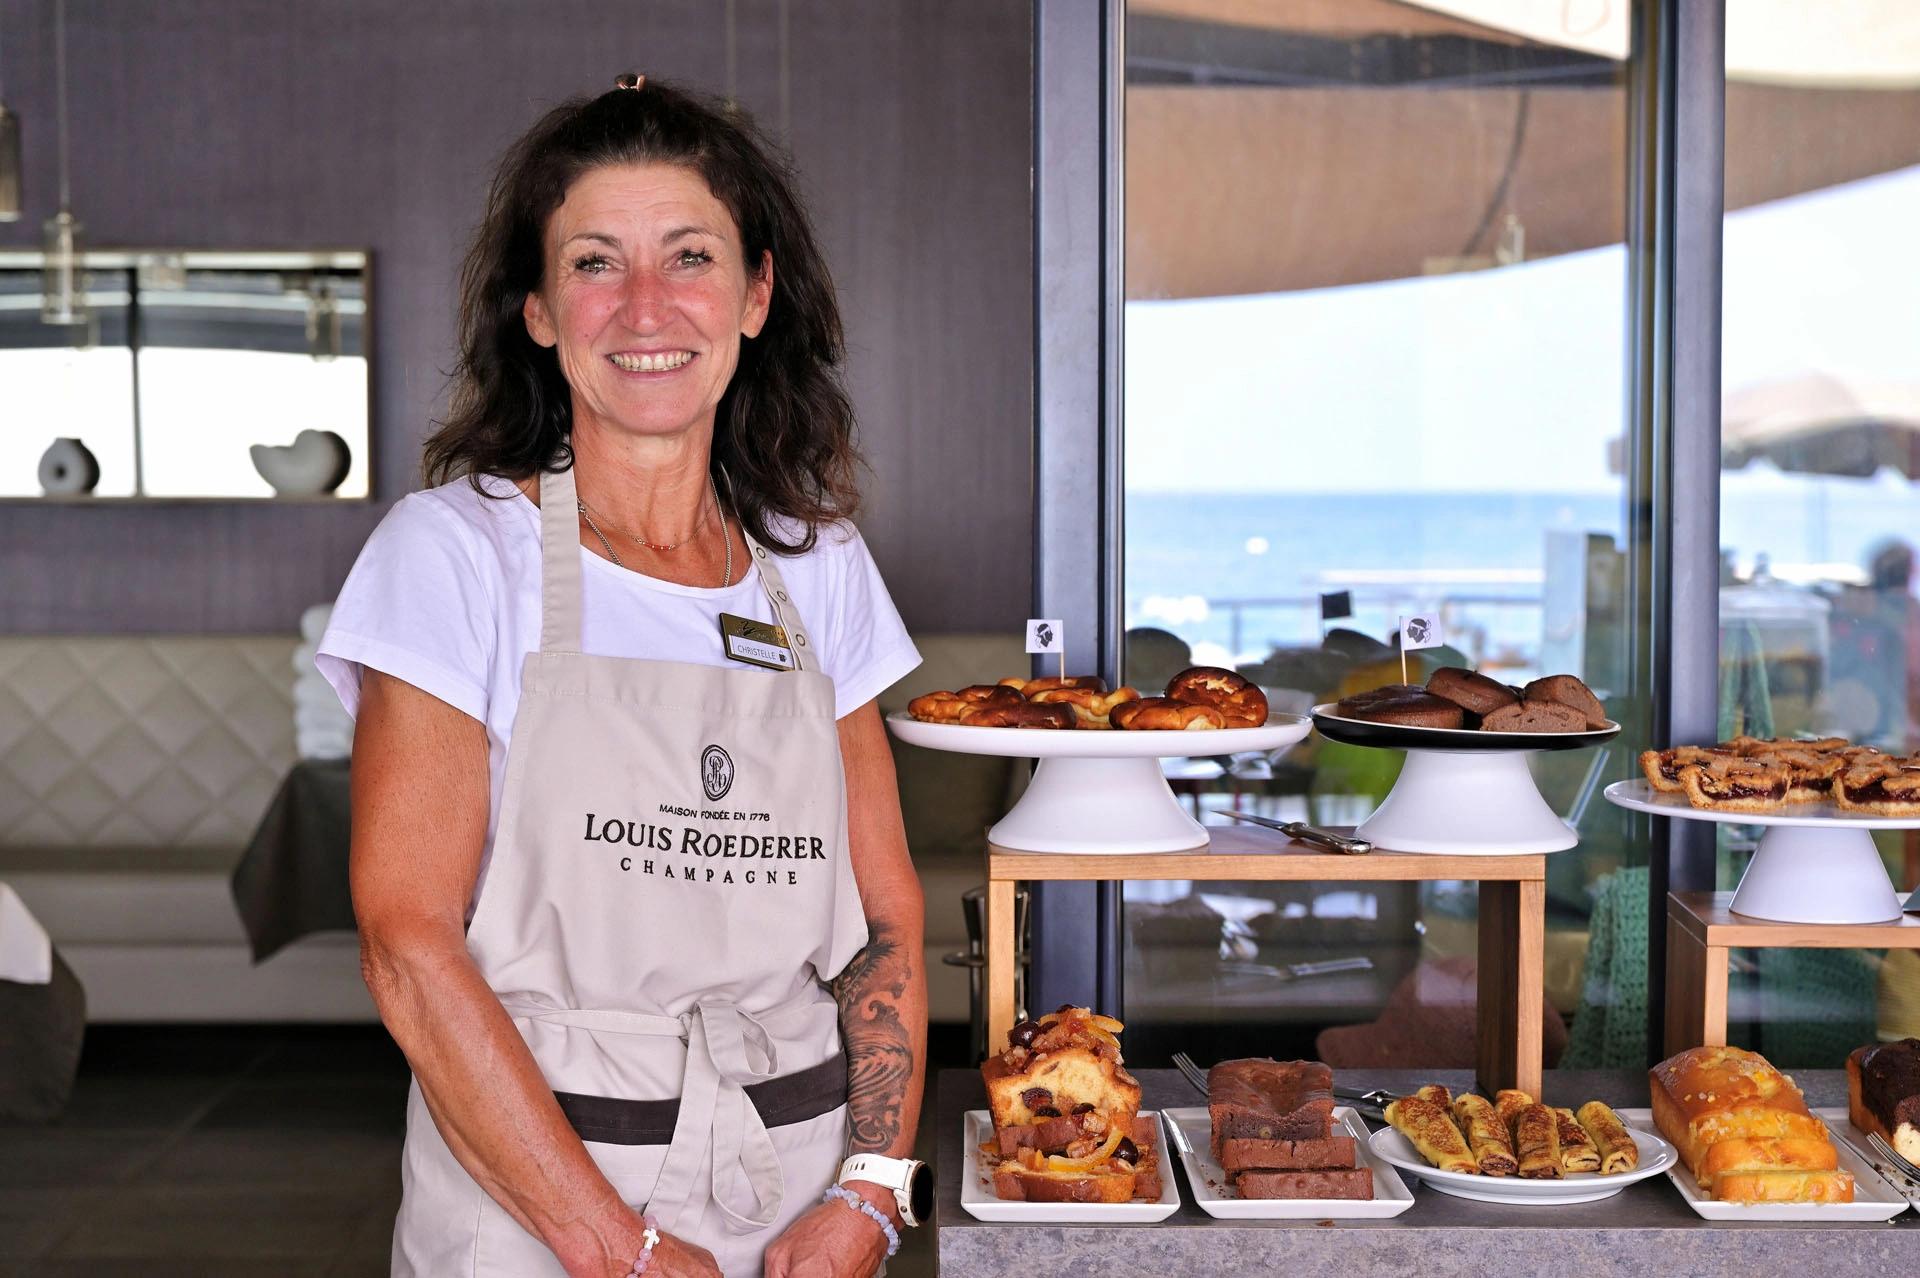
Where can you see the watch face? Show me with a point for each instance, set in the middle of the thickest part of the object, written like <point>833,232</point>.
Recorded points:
<point>920,1190</point>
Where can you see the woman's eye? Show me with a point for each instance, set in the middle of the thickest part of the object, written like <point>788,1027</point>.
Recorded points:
<point>591,264</point>
<point>694,257</point>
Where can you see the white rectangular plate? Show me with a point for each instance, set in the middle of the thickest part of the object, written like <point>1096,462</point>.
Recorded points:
<point>1873,1198</point>
<point>1836,1118</point>
<point>979,1200</point>
<point>1215,1196</point>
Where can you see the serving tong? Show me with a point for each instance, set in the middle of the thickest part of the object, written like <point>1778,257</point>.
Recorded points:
<point>1371,1104</point>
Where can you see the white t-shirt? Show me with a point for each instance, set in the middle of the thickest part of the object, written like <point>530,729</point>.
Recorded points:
<point>446,596</point>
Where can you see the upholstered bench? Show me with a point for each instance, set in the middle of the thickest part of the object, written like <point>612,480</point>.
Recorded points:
<point>132,771</point>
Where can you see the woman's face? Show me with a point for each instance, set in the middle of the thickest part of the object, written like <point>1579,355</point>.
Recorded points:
<point>645,295</point>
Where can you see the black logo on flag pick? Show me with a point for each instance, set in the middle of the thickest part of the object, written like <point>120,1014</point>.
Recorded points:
<point>716,773</point>
<point>1417,629</point>
<point>1044,633</point>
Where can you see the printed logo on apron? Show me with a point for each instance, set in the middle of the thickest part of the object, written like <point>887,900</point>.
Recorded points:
<point>716,772</point>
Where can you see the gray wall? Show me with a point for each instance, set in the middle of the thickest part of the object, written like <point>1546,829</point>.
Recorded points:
<point>372,123</point>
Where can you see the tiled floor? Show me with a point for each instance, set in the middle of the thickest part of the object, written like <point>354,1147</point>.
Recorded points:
<point>224,1152</point>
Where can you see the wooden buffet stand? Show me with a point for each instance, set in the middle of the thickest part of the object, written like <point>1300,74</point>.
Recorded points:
<point>1702,927</point>
<point>1512,920</point>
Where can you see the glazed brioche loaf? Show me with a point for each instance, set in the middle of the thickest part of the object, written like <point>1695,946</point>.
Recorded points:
<point>1743,1129</point>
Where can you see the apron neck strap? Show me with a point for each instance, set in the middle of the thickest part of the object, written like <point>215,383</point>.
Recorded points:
<point>559,562</point>
<point>560,574</point>
<point>768,565</point>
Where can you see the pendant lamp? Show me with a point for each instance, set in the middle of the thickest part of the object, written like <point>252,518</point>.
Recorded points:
<point>63,298</point>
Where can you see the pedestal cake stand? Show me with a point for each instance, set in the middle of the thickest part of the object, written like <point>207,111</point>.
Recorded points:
<point>1815,863</point>
<point>1098,792</point>
<point>1462,792</point>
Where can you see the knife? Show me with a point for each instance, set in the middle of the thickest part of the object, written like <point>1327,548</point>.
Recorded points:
<point>1307,833</point>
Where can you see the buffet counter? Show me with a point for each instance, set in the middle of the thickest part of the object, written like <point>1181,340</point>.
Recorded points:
<point>1646,1228</point>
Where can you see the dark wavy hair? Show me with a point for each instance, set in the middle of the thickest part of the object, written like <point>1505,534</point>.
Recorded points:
<point>783,439</point>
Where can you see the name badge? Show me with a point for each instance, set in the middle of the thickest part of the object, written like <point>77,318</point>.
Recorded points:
<point>758,643</point>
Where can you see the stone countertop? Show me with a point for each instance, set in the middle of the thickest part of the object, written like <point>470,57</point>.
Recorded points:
<point>1645,1228</point>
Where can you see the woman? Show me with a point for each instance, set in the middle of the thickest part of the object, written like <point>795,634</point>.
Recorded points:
<point>623,804</point>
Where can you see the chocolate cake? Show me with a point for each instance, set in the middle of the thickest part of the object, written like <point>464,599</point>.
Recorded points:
<point>1471,691</point>
<point>1333,1183</point>
<point>1260,1099</point>
<point>1402,704</point>
<point>1883,1093</point>
<point>1288,1155</point>
<point>1535,716</point>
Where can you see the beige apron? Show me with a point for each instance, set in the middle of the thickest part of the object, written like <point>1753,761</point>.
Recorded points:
<point>668,887</point>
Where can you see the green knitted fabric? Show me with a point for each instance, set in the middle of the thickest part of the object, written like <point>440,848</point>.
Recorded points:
<point>1610,1029</point>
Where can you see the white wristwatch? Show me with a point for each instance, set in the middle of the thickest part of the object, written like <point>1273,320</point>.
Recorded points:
<point>910,1180</point>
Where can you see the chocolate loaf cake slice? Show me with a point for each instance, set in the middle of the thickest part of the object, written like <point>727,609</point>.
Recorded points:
<point>1883,1093</point>
<point>1260,1099</point>
<point>1354,1182</point>
<point>1288,1155</point>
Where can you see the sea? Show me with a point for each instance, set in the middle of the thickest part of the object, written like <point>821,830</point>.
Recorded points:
<point>1239,574</point>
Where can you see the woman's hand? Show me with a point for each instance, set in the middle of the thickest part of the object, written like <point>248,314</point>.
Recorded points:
<point>831,1241</point>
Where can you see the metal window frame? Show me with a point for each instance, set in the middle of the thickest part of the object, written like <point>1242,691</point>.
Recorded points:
<point>1078,82</point>
<point>1676,142</point>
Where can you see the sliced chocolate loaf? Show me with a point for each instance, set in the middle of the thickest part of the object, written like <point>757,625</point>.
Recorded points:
<point>1883,1093</point>
<point>1288,1155</point>
<point>1345,1183</point>
<point>1260,1099</point>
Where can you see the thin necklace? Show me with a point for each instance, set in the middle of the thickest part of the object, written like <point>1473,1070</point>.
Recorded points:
<point>726,577</point>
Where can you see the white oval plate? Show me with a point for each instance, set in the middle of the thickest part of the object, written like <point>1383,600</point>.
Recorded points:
<point>1052,743</point>
<point>1639,796</point>
<point>976,1186</point>
<point>1873,1197</point>
<point>1656,1156</point>
<point>1192,1132</point>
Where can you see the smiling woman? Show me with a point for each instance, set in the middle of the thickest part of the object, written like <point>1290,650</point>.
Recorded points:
<point>652,1056</point>
<point>605,214</point>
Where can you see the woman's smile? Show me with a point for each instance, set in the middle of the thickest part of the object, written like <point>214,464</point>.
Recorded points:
<point>653,363</point>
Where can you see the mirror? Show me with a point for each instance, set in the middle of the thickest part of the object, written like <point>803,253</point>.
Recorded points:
<point>199,374</point>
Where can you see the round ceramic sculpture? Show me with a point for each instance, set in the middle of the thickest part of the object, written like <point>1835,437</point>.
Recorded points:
<point>68,469</point>
<point>314,464</point>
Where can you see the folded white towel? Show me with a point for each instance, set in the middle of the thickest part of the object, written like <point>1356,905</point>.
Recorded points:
<point>322,744</point>
<point>316,694</point>
<point>26,951</point>
<point>313,622</point>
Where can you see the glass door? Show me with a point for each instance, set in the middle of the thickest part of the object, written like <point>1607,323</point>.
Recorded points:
<point>1376,363</point>
<point>1820,454</point>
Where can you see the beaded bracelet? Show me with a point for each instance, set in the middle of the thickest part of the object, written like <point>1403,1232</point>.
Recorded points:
<point>868,1210</point>
<point>651,1239</point>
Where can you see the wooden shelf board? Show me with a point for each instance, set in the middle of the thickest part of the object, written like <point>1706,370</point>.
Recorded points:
<point>1256,855</point>
<point>1708,916</point>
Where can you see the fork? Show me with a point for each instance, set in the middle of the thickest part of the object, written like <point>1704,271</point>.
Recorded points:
<point>1377,1099</point>
<point>1906,1168</point>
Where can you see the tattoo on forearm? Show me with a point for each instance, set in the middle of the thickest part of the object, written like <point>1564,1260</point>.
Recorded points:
<point>879,1051</point>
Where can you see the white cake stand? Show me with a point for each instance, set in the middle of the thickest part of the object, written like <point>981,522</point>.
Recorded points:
<point>1462,792</point>
<point>1098,792</point>
<point>1815,863</point>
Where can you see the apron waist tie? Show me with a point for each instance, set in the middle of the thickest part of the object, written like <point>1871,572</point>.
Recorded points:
<point>714,1111</point>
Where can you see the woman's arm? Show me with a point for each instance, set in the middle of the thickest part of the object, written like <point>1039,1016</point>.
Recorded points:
<point>883,991</point>
<point>420,803</point>
<point>883,1013</point>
